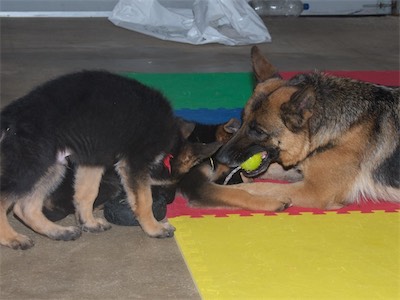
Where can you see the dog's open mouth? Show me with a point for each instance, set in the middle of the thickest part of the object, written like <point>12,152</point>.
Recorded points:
<point>260,167</point>
<point>265,162</point>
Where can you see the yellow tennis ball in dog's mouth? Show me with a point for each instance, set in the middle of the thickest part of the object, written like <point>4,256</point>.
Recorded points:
<point>252,163</point>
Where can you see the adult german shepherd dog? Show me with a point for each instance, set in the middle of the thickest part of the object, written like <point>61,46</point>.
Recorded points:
<point>95,121</point>
<point>342,134</point>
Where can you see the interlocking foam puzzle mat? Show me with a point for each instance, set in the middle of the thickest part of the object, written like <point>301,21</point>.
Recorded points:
<point>351,253</point>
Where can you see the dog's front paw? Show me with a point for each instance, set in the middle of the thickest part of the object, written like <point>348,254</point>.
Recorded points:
<point>284,205</point>
<point>98,225</point>
<point>69,233</point>
<point>18,242</point>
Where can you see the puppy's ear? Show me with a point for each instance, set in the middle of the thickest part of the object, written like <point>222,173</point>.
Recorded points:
<point>225,131</point>
<point>232,126</point>
<point>186,127</point>
<point>194,153</point>
<point>201,151</point>
<point>297,111</point>
<point>262,68</point>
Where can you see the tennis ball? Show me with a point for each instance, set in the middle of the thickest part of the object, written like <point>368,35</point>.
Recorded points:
<point>252,163</point>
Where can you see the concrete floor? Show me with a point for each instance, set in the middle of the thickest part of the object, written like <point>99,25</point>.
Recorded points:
<point>123,263</point>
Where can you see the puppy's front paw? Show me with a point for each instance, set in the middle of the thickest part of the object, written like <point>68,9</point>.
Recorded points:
<point>98,225</point>
<point>160,230</point>
<point>165,233</point>
<point>18,242</point>
<point>69,233</point>
<point>167,225</point>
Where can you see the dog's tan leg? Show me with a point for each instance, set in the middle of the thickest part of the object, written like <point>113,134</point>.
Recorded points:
<point>87,183</point>
<point>328,178</point>
<point>140,200</point>
<point>237,197</point>
<point>8,236</point>
<point>327,182</point>
<point>29,207</point>
<point>277,172</point>
<point>301,194</point>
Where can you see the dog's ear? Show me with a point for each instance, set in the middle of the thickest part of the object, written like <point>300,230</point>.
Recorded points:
<point>262,68</point>
<point>186,127</point>
<point>297,111</point>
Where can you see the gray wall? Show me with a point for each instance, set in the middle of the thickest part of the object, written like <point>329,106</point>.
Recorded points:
<point>79,6</point>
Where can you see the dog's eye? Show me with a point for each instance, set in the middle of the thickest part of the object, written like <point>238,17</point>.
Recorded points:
<point>256,131</point>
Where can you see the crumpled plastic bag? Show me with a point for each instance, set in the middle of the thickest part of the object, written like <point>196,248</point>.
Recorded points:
<point>228,22</point>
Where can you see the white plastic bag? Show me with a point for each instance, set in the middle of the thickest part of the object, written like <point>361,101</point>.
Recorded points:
<point>229,22</point>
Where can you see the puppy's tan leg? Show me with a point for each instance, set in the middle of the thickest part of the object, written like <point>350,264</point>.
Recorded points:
<point>144,214</point>
<point>87,183</point>
<point>8,236</point>
<point>29,207</point>
<point>140,200</point>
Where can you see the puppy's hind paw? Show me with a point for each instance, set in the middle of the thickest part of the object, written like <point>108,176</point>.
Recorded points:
<point>99,225</point>
<point>69,233</point>
<point>19,242</point>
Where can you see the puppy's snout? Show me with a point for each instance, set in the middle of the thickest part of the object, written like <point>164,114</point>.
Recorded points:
<point>223,156</point>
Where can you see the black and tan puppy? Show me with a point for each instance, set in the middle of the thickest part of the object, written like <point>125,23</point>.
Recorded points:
<point>95,120</point>
<point>342,134</point>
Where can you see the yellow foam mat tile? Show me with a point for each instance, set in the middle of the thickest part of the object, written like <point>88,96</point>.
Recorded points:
<point>307,256</point>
